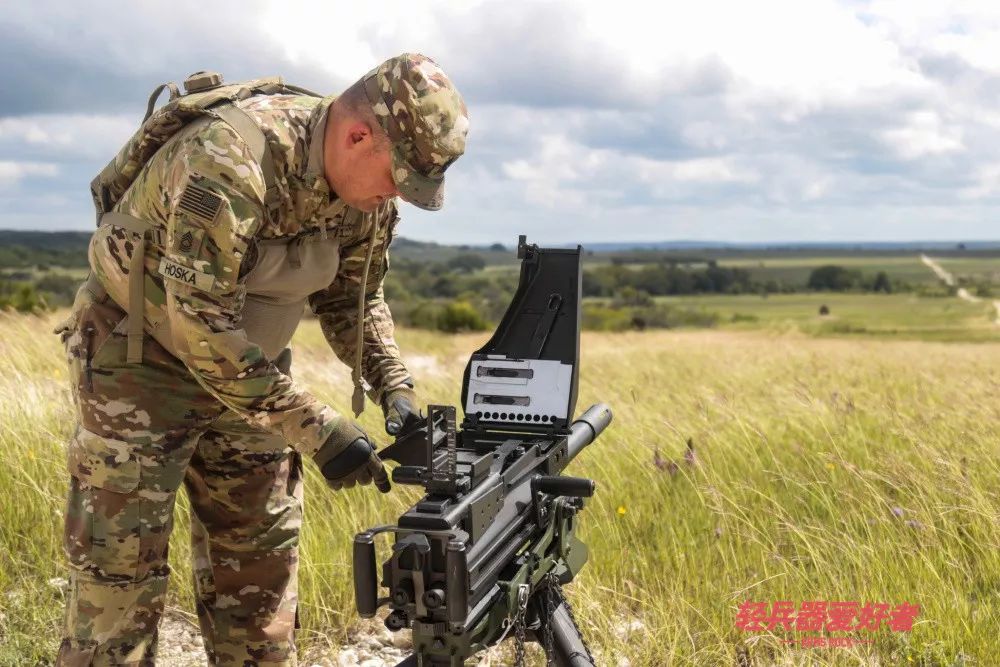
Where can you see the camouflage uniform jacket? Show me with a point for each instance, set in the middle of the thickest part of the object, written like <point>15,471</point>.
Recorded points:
<point>204,191</point>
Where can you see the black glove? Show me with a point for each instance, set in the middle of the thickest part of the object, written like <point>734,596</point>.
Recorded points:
<point>343,466</point>
<point>400,408</point>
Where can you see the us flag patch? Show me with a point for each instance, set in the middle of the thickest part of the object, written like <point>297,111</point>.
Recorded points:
<point>200,202</point>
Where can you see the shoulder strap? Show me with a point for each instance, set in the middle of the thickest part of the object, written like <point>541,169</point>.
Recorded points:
<point>250,131</point>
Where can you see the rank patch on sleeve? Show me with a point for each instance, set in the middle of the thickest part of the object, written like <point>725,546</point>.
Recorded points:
<point>182,274</point>
<point>188,241</point>
<point>200,202</point>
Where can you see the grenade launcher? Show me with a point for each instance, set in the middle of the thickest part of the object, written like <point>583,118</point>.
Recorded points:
<point>483,555</point>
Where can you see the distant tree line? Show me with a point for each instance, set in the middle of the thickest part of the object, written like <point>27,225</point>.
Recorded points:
<point>464,289</point>
<point>834,278</point>
<point>18,256</point>
<point>668,279</point>
<point>459,295</point>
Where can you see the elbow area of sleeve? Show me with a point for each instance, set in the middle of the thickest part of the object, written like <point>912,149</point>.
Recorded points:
<point>235,371</point>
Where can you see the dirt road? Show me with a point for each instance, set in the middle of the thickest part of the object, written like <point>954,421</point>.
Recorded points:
<point>949,280</point>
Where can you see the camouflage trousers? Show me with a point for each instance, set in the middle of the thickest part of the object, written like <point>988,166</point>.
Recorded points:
<point>144,429</point>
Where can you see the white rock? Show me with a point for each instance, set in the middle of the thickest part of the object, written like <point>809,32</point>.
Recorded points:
<point>629,626</point>
<point>59,583</point>
<point>348,658</point>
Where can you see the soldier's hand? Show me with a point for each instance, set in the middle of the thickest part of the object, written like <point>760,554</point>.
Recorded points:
<point>400,408</point>
<point>344,465</point>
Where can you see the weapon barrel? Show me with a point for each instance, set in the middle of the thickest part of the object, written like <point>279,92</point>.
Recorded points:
<point>586,429</point>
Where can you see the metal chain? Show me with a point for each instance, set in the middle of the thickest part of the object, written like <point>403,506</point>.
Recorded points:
<point>554,594</point>
<point>519,622</point>
<point>553,597</point>
<point>550,609</point>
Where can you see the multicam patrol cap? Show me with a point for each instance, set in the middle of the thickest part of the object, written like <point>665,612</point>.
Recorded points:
<point>426,120</point>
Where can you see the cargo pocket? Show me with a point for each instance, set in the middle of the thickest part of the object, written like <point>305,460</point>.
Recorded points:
<point>109,341</point>
<point>104,514</point>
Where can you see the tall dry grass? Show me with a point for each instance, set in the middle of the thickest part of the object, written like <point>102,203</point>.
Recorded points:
<point>822,470</point>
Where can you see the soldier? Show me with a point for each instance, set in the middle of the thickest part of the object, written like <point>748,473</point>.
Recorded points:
<point>220,220</point>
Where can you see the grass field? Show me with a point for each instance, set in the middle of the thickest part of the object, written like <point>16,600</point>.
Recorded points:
<point>905,316</point>
<point>981,269</point>
<point>858,469</point>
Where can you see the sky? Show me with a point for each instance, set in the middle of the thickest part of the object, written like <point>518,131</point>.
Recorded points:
<point>764,121</point>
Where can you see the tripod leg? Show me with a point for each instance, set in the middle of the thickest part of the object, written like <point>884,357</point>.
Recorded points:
<point>432,661</point>
<point>567,643</point>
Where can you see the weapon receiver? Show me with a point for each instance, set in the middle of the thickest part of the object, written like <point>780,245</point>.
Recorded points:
<point>485,552</point>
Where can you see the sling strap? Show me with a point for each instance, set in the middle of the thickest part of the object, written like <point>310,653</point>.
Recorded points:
<point>136,277</point>
<point>360,384</point>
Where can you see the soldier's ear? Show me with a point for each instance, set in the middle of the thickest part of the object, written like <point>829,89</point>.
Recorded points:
<point>358,133</point>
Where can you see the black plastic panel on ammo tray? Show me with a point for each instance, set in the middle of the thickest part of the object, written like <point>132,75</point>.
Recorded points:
<point>541,322</point>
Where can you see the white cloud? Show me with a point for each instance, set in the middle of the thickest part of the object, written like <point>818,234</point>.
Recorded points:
<point>566,174</point>
<point>987,182</point>
<point>701,170</point>
<point>345,52</point>
<point>720,119</point>
<point>12,172</point>
<point>801,53</point>
<point>923,134</point>
<point>77,135</point>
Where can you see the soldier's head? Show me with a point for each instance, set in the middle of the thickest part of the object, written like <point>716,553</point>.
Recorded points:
<point>393,133</point>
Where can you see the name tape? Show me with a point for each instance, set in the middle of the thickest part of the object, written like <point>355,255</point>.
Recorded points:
<point>182,274</point>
